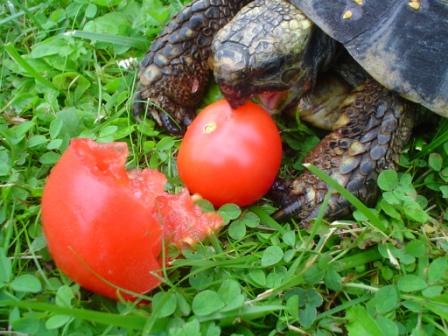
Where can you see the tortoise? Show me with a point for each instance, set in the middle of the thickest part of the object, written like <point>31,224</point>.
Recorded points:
<point>400,53</point>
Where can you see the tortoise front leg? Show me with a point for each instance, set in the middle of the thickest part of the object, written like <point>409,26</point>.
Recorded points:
<point>175,71</point>
<point>374,126</point>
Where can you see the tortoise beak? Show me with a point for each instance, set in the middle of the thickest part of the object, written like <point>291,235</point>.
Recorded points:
<point>235,96</point>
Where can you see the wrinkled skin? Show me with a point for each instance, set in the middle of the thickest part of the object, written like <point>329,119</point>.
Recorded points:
<point>269,45</point>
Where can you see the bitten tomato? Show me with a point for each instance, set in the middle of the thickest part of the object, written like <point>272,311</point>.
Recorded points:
<point>105,225</point>
<point>230,156</point>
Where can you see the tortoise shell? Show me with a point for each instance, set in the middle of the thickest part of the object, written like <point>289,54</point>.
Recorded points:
<point>402,44</point>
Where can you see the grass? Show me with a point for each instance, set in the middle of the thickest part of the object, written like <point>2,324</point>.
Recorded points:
<point>385,272</point>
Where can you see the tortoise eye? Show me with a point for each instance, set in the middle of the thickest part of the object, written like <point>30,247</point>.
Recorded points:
<point>271,68</point>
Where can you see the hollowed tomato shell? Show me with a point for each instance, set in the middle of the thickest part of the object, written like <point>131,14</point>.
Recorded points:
<point>105,225</point>
<point>100,232</point>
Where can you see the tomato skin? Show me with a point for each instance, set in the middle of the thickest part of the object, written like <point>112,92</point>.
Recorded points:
<point>230,156</point>
<point>97,230</point>
<point>105,225</point>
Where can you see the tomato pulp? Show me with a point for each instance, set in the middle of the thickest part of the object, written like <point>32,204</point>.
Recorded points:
<point>230,156</point>
<point>104,225</point>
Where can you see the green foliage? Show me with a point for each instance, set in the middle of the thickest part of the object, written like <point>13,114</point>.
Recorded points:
<point>63,75</point>
<point>400,199</point>
<point>271,256</point>
<point>229,212</point>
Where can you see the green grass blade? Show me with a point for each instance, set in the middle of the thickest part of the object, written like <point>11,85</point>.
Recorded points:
<point>265,218</point>
<point>358,259</point>
<point>18,14</point>
<point>438,305</point>
<point>245,313</point>
<point>129,321</point>
<point>345,306</point>
<point>14,54</point>
<point>440,309</point>
<point>28,13</point>
<point>126,41</point>
<point>438,141</point>
<point>356,202</point>
<point>341,265</point>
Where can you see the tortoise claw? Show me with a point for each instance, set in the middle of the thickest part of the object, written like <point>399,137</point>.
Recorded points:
<point>293,203</point>
<point>170,124</point>
<point>279,192</point>
<point>138,106</point>
<point>288,211</point>
<point>301,199</point>
<point>174,124</point>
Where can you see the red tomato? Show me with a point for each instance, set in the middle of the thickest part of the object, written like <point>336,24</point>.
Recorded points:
<point>104,225</point>
<point>230,156</point>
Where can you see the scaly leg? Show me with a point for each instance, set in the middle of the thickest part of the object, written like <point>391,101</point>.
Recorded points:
<point>374,126</point>
<point>175,71</point>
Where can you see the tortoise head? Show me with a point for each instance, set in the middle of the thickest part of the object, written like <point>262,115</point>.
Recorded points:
<point>262,49</point>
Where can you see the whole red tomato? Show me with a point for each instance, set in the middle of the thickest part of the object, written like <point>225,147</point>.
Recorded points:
<point>104,225</point>
<point>230,156</point>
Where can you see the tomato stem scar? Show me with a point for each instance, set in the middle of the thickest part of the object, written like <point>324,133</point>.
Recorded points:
<point>209,127</point>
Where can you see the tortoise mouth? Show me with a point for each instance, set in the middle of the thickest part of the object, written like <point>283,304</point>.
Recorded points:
<point>272,101</point>
<point>279,101</point>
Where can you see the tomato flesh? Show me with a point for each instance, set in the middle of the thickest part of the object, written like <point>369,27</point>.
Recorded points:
<point>103,225</point>
<point>190,225</point>
<point>230,156</point>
